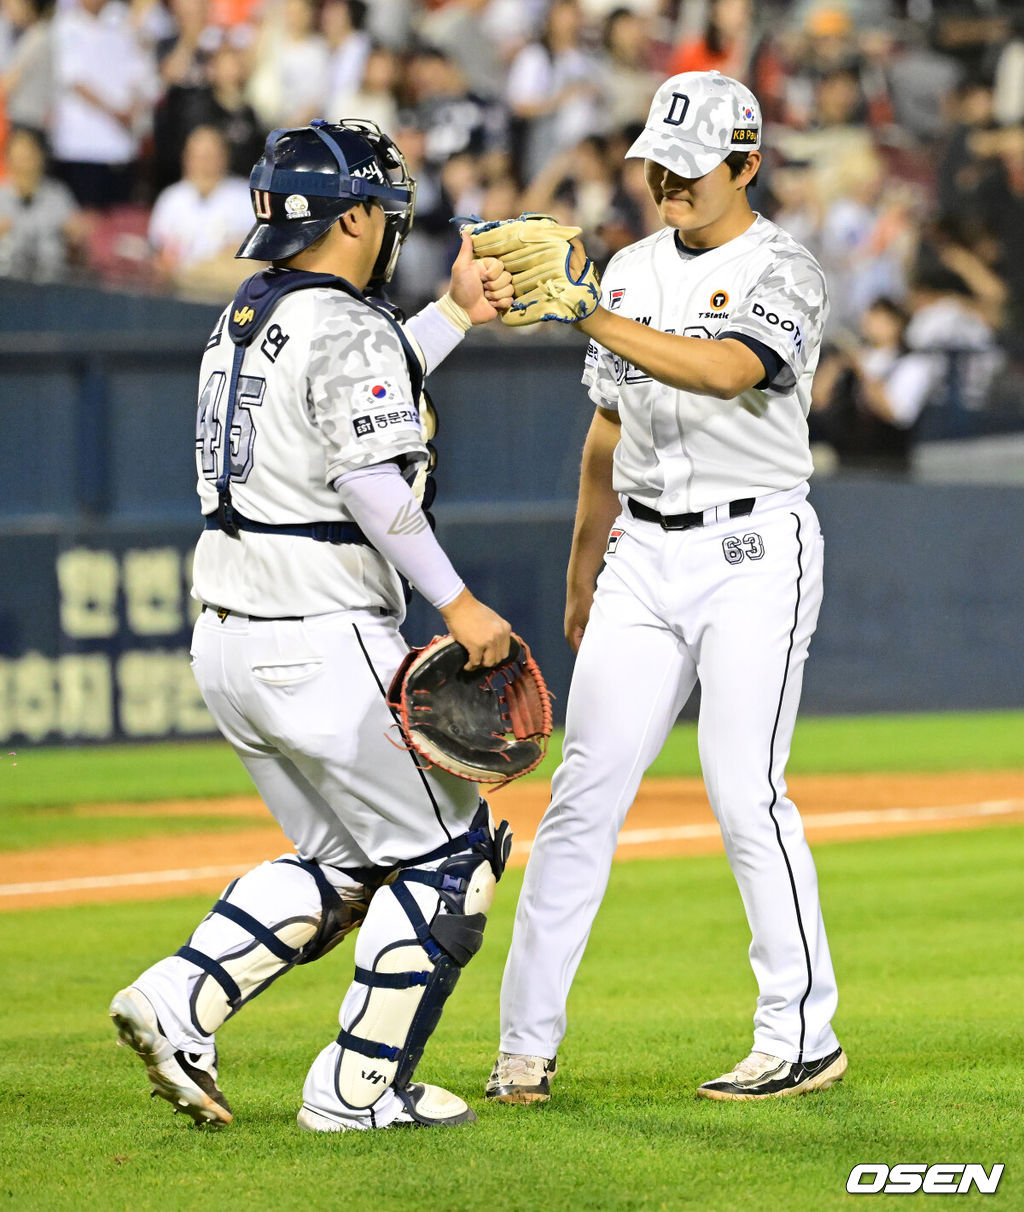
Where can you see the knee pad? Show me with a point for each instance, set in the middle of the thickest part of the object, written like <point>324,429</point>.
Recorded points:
<point>401,982</point>
<point>280,914</point>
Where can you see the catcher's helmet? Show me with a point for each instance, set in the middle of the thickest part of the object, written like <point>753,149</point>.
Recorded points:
<point>310,175</point>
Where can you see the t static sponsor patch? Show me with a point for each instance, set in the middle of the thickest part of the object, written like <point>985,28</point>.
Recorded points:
<point>615,298</point>
<point>613,540</point>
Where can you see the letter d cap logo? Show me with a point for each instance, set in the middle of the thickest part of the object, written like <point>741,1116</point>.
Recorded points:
<point>678,106</point>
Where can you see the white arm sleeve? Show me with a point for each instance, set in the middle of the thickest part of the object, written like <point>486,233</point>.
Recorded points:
<point>382,504</point>
<point>436,333</point>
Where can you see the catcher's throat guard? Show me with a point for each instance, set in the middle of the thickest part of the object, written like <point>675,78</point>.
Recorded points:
<point>488,725</point>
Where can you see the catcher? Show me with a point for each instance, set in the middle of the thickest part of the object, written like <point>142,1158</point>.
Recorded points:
<point>312,458</point>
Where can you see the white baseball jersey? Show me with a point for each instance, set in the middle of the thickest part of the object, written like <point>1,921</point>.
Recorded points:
<point>324,389</point>
<point>679,451</point>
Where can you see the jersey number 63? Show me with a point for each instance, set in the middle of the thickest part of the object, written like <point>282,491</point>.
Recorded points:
<point>737,549</point>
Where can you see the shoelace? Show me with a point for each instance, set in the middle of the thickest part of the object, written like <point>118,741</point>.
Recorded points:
<point>754,1064</point>
<point>523,1066</point>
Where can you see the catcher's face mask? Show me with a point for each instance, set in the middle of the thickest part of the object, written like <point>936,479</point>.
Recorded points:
<point>309,176</point>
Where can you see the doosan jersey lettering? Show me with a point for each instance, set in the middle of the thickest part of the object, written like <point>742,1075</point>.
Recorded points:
<point>680,451</point>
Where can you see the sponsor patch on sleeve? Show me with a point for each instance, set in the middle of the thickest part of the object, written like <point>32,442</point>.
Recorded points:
<point>381,404</point>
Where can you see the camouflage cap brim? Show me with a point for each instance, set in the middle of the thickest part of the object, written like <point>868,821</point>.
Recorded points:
<point>684,159</point>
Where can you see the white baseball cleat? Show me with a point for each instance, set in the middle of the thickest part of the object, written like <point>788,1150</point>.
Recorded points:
<point>517,1078</point>
<point>423,1106</point>
<point>762,1076</point>
<point>188,1080</point>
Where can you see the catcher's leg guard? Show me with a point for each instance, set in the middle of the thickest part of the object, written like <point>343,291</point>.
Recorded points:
<point>280,914</point>
<point>419,933</point>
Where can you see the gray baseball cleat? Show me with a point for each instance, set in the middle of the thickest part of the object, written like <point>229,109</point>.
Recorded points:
<point>188,1080</point>
<point>764,1076</point>
<point>423,1106</point>
<point>517,1078</point>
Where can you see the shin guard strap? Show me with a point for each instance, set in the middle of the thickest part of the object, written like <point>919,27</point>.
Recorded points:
<point>208,965</point>
<point>434,879</point>
<point>465,841</point>
<point>328,893</point>
<point>367,1047</point>
<point>416,920</point>
<point>260,933</point>
<point>391,980</point>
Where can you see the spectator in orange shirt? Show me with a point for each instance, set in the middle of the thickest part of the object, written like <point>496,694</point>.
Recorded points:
<point>726,45</point>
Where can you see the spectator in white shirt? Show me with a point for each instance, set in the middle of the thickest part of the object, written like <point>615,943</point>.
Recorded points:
<point>105,88</point>
<point>348,46</point>
<point>553,89</point>
<point>198,223</point>
<point>289,83</point>
<point>374,97</point>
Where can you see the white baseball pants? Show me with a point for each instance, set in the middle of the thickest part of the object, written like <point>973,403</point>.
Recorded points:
<point>303,704</point>
<point>735,604</point>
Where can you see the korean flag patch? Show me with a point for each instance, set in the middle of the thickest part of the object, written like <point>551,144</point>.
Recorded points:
<point>378,393</point>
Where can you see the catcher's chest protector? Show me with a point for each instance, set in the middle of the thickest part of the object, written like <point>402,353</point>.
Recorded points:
<point>248,315</point>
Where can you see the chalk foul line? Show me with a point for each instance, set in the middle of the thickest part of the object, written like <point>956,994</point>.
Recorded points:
<point>628,837</point>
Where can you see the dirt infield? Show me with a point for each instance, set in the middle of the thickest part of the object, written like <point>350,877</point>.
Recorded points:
<point>669,817</point>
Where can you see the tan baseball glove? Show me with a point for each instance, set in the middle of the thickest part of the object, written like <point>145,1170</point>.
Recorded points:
<point>540,254</point>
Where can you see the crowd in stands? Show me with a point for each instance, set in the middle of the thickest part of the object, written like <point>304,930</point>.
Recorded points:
<point>894,149</point>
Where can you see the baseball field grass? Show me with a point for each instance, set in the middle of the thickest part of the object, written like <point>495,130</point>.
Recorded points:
<point>969,740</point>
<point>927,934</point>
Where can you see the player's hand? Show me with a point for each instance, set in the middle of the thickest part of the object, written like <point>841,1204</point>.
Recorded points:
<point>578,604</point>
<point>480,630</point>
<point>578,257</point>
<point>483,287</point>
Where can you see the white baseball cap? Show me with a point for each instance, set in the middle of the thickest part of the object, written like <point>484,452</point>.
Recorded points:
<point>696,120</point>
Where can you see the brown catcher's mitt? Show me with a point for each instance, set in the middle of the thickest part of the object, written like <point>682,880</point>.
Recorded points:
<point>487,725</point>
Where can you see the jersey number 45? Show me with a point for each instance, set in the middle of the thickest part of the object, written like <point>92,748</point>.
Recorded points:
<point>210,426</point>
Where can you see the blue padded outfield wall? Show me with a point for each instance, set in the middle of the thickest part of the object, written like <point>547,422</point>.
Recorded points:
<point>98,519</point>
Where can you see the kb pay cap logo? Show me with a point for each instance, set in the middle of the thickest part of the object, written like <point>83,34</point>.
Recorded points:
<point>945,1178</point>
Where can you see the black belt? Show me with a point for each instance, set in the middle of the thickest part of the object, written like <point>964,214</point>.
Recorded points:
<point>686,521</point>
<point>322,532</point>
<point>222,613</point>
